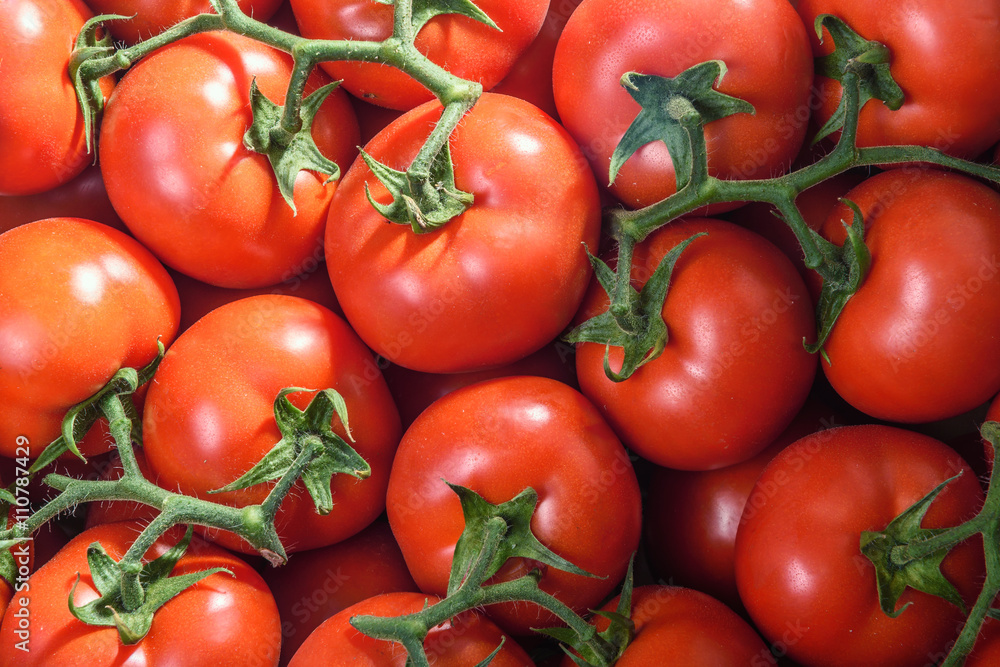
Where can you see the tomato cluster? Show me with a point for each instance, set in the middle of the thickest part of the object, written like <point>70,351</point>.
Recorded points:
<point>734,474</point>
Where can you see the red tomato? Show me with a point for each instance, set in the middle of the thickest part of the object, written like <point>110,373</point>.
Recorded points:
<point>209,411</point>
<point>734,371</point>
<point>604,39</point>
<point>987,650</point>
<point>151,17</point>
<point>79,301</point>
<point>916,343</point>
<point>414,391</point>
<point>41,126</point>
<point>503,436</point>
<point>931,42</point>
<point>690,517</point>
<point>798,560</point>
<point>494,284</point>
<point>321,582</point>
<point>465,47</point>
<point>182,634</point>
<point>214,211</point>
<point>82,197</point>
<point>461,642</point>
<point>680,626</point>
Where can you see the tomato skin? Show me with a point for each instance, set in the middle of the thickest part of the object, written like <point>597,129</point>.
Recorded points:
<point>41,126</point>
<point>734,371</point>
<point>82,197</point>
<point>681,626</point>
<point>495,283</point>
<point>464,641</point>
<point>78,301</point>
<point>319,583</point>
<point>940,55</point>
<point>151,17</point>
<point>797,549</point>
<point>503,436</point>
<point>465,47</point>
<point>604,39</point>
<point>916,343</point>
<point>209,412</point>
<point>181,634</point>
<point>214,211</point>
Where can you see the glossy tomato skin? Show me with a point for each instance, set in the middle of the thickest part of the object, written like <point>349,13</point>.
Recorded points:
<point>215,212</point>
<point>151,17</point>
<point>82,197</point>
<point>798,559</point>
<point>940,55</point>
<point>681,626</point>
<point>181,634</point>
<point>209,412</point>
<point>78,301</point>
<point>497,438</point>
<point>461,642</point>
<point>465,47</point>
<point>495,283</point>
<point>734,371</point>
<point>41,126</point>
<point>322,582</point>
<point>764,45</point>
<point>916,343</point>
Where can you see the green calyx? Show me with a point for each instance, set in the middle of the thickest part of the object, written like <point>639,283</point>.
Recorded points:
<point>289,151</point>
<point>131,594</point>
<point>672,109</point>
<point>842,276</point>
<point>868,58</point>
<point>309,447</point>
<point>91,45</point>
<point>634,320</point>
<point>425,202</point>
<point>424,10</point>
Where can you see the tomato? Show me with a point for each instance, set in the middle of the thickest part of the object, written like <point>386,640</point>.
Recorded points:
<point>681,626</point>
<point>734,371</point>
<point>503,436</point>
<point>414,391</point>
<point>208,206</point>
<point>987,650</point>
<point>41,126</point>
<point>465,47</point>
<point>915,344</point>
<point>82,197</point>
<point>495,283</point>
<point>78,301</point>
<point>209,412</point>
<point>798,560</point>
<point>151,17</point>
<point>463,641</point>
<point>691,517</point>
<point>319,583</point>
<point>940,55</point>
<point>240,603</point>
<point>762,42</point>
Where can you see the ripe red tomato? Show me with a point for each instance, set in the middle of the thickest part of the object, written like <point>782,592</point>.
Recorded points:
<point>931,42</point>
<point>82,197</point>
<point>916,343</point>
<point>182,634</point>
<point>503,436</point>
<point>41,126</point>
<point>681,626</point>
<point>463,641</point>
<point>494,284</point>
<point>465,47</point>
<point>319,583</point>
<point>78,301</point>
<point>151,17</point>
<point>762,42</point>
<point>734,371</point>
<point>798,560</point>
<point>209,412</point>
<point>214,211</point>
